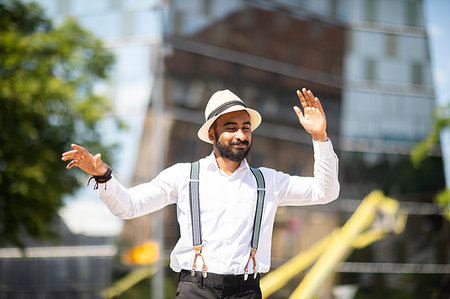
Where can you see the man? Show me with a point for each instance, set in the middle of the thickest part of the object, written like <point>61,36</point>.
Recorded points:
<point>228,198</point>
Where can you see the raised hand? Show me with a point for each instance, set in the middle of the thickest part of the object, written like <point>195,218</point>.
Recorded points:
<point>85,161</point>
<point>314,120</point>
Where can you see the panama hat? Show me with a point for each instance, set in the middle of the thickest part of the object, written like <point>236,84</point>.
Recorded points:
<point>221,102</point>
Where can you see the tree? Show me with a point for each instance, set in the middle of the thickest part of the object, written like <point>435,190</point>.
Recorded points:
<point>46,102</point>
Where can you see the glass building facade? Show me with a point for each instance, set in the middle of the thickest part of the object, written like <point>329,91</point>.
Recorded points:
<point>389,97</point>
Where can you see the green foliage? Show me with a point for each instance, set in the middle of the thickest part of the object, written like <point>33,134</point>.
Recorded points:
<point>441,120</point>
<point>46,103</point>
<point>421,151</point>
<point>443,200</point>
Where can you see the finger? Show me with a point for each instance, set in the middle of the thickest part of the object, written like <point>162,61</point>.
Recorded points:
<point>302,99</point>
<point>299,113</point>
<point>70,152</point>
<point>319,105</point>
<point>306,97</point>
<point>72,164</point>
<point>310,97</point>
<point>71,157</point>
<point>79,148</point>
<point>66,158</point>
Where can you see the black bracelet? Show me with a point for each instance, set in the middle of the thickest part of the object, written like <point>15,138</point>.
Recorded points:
<point>101,178</point>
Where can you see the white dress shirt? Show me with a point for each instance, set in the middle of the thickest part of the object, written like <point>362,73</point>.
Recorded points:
<point>227,207</point>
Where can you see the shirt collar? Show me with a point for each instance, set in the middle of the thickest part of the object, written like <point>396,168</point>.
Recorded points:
<point>211,163</point>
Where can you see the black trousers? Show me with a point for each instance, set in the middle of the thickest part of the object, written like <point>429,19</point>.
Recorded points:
<point>217,286</point>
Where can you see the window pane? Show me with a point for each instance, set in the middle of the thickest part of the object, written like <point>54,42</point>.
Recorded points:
<point>417,73</point>
<point>370,10</point>
<point>391,45</point>
<point>411,13</point>
<point>370,69</point>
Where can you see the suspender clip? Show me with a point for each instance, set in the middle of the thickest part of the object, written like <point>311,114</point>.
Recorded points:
<point>253,259</point>
<point>198,252</point>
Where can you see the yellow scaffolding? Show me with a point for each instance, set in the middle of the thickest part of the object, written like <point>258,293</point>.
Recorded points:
<point>376,216</point>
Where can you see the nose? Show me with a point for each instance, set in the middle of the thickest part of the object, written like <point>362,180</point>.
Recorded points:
<point>240,135</point>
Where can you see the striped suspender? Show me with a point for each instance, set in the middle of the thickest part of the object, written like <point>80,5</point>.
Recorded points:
<point>195,204</point>
<point>195,218</point>
<point>261,192</point>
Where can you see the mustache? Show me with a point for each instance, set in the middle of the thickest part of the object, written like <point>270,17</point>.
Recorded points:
<point>239,142</point>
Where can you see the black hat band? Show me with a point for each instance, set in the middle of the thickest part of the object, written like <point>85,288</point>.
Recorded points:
<point>224,107</point>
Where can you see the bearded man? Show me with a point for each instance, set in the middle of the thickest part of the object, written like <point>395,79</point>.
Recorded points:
<point>225,209</point>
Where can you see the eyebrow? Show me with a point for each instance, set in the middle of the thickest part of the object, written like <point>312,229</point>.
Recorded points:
<point>235,123</point>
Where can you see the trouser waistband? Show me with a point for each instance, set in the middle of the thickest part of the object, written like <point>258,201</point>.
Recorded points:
<point>221,281</point>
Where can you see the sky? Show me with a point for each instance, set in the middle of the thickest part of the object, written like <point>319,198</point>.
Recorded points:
<point>438,27</point>
<point>102,222</point>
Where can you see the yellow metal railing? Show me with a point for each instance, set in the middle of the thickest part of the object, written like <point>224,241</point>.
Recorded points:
<point>358,232</point>
<point>128,281</point>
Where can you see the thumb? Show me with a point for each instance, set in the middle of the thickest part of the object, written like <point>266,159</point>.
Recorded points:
<point>299,113</point>
<point>97,159</point>
<point>99,165</point>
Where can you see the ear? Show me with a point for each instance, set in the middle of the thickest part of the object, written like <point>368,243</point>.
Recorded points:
<point>211,133</point>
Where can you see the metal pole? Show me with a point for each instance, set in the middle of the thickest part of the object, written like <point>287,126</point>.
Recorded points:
<point>157,165</point>
<point>158,146</point>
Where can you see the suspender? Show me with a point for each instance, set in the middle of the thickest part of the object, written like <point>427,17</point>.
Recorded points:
<point>259,205</point>
<point>194,201</point>
<point>195,204</point>
<point>261,192</point>
<point>195,218</point>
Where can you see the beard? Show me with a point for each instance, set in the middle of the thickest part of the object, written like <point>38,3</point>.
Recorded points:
<point>236,155</point>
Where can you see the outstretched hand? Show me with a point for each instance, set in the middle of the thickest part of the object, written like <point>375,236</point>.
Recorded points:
<point>314,120</point>
<point>85,161</point>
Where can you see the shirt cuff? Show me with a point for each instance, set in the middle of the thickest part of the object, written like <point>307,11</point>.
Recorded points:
<point>323,150</point>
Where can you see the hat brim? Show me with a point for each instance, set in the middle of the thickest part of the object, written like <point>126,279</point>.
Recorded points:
<point>255,121</point>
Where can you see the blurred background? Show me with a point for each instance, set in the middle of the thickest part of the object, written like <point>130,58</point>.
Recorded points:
<point>131,78</point>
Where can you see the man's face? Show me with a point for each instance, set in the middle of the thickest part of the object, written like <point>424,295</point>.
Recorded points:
<point>232,135</point>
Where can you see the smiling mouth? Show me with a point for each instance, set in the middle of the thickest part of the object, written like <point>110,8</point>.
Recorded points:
<point>239,143</point>
<point>240,147</point>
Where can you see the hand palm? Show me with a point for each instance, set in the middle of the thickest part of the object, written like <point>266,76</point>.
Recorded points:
<point>85,161</point>
<point>313,119</point>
